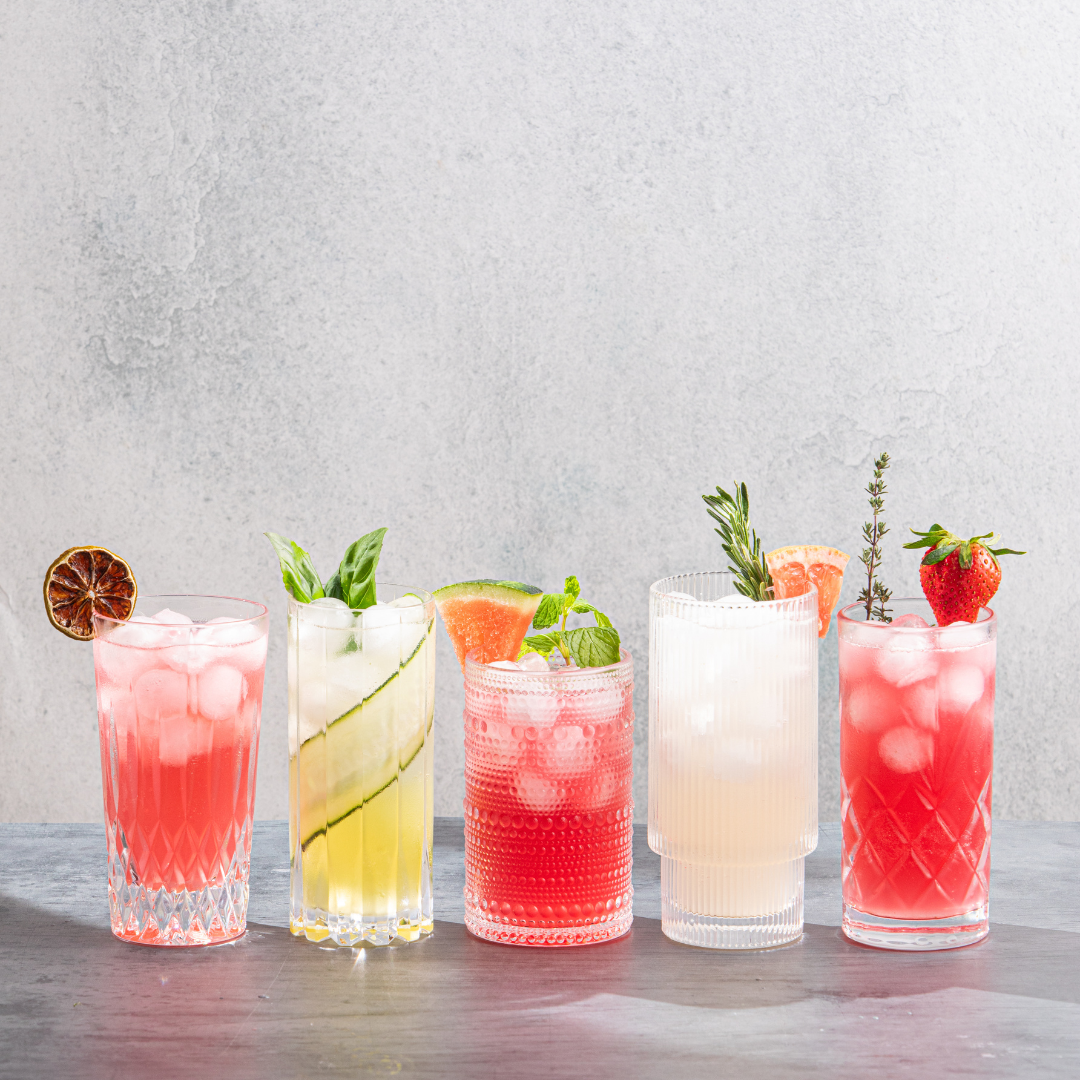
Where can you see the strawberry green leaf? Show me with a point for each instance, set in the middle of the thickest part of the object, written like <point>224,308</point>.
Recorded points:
<point>1005,551</point>
<point>938,554</point>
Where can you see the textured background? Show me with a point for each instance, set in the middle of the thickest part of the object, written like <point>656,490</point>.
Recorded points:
<point>521,283</point>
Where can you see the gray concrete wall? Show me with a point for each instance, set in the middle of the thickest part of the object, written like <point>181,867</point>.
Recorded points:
<point>521,282</point>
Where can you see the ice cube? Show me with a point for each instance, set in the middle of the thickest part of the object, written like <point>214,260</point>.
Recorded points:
<point>533,662</point>
<point>959,685</point>
<point>328,611</point>
<point>245,640</point>
<point>411,608</point>
<point>868,708</point>
<point>509,665</point>
<point>906,750</point>
<point>911,619</point>
<point>907,658</point>
<point>736,759</point>
<point>124,654</point>
<point>161,696</point>
<point>172,618</point>
<point>919,705</point>
<point>221,689</point>
<point>537,791</point>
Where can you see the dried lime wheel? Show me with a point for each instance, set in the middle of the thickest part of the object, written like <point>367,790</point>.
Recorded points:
<point>85,581</point>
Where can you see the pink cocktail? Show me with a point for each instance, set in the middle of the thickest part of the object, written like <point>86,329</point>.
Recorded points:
<point>548,803</point>
<point>179,703</point>
<point>916,756</point>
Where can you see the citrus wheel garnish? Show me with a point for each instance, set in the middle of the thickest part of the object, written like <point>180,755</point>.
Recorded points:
<point>793,567</point>
<point>86,581</point>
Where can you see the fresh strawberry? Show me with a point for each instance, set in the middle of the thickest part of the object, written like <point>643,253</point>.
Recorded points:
<point>958,576</point>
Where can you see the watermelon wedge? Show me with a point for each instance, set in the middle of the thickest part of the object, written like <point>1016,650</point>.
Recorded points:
<point>489,615</point>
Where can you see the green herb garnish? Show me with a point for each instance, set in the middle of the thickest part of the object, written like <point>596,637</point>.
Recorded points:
<point>354,582</point>
<point>740,543</point>
<point>589,646</point>
<point>874,592</point>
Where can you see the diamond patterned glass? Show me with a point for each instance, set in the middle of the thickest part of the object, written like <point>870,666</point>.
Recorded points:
<point>179,705</point>
<point>916,749</point>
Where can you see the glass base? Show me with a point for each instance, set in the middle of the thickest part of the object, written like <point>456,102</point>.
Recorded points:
<point>506,932</point>
<point>715,907</point>
<point>351,930</point>
<point>210,916</point>
<point>917,935</point>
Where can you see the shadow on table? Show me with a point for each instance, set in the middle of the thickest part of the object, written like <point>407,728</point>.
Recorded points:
<point>76,1001</point>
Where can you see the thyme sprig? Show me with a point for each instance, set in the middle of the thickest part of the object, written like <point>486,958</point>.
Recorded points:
<point>740,543</point>
<point>875,596</point>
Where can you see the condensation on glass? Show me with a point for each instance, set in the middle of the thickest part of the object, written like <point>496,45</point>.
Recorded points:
<point>549,808</point>
<point>916,769</point>
<point>179,694</point>
<point>732,759</point>
<point>361,768</point>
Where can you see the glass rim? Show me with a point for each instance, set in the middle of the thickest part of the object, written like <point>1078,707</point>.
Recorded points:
<point>557,673</point>
<point>263,609</point>
<point>423,595</point>
<point>960,624</point>
<point>745,601</point>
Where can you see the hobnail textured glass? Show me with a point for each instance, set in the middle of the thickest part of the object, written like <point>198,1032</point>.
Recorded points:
<point>361,769</point>
<point>548,805</point>
<point>179,733</point>
<point>732,759</point>
<point>916,754</point>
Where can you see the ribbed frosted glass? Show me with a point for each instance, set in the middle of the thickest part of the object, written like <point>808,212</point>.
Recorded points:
<point>361,768</point>
<point>732,740</point>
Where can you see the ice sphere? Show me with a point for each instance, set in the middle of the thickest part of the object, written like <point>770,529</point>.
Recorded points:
<point>537,791</point>
<point>910,619</point>
<point>679,596</point>
<point>533,662</point>
<point>732,599</point>
<point>221,688</point>
<point>508,665</point>
<point>906,750</point>
<point>959,685</point>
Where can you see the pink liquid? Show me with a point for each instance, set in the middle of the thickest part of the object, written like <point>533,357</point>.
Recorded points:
<point>548,812</point>
<point>916,753</point>
<point>178,727</point>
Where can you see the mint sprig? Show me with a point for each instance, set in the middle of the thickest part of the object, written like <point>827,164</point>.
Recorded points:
<point>354,582</point>
<point>589,646</point>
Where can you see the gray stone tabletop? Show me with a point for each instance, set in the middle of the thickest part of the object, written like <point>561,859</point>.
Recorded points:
<point>76,1002</point>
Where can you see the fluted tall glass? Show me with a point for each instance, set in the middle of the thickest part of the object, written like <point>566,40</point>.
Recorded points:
<point>732,759</point>
<point>361,767</point>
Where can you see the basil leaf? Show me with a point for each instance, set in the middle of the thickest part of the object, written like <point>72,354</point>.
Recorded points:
<point>549,612</point>
<point>297,570</point>
<point>333,587</point>
<point>593,646</point>
<point>357,570</point>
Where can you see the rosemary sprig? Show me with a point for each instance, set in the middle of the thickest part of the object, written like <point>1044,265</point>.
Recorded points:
<point>752,577</point>
<point>875,593</point>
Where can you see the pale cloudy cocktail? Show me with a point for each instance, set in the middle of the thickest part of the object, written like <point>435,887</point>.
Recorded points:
<point>732,759</point>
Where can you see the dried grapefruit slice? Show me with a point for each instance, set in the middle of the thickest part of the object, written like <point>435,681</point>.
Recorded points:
<point>793,567</point>
<point>85,580</point>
